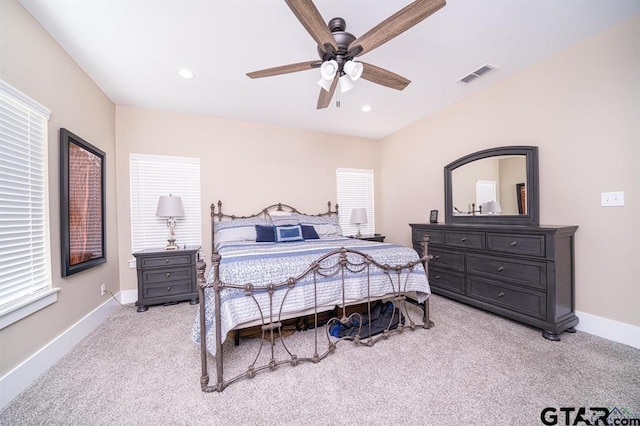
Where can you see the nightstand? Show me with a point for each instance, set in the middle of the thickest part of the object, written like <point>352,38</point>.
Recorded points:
<point>166,276</point>
<point>371,237</point>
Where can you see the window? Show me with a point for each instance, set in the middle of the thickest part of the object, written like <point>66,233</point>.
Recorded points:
<point>355,190</point>
<point>25,270</point>
<point>152,176</point>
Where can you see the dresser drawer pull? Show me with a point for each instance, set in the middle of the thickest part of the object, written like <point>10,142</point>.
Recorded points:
<point>436,257</point>
<point>500,268</point>
<point>513,244</point>
<point>166,261</point>
<point>501,294</point>
<point>463,239</point>
<point>437,277</point>
<point>168,274</point>
<point>168,288</point>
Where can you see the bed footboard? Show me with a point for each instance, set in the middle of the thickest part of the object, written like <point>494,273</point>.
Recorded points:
<point>343,264</point>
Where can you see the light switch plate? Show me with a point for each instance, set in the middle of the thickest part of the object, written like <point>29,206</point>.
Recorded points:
<point>612,199</point>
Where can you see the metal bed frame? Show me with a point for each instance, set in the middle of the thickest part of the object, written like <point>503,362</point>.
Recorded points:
<point>340,263</point>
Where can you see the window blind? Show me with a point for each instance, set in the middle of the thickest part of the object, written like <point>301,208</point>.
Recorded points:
<point>355,189</point>
<point>25,271</point>
<point>152,176</point>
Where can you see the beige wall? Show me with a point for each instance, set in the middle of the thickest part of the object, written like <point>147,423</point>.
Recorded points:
<point>32,62</point>
<point>247,166</point>
<point>582,109</point>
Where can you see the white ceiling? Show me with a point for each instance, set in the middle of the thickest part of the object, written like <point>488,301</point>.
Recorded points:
<point>133,50</point>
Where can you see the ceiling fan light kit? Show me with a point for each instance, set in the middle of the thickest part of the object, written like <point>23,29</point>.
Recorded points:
<point>337,48</point>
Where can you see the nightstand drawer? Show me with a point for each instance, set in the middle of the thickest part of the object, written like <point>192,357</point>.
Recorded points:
<point>528,302</point>
<point>464,239</point>
<point>447,280</point>
<point>168,289</point>
<point>446,258</point>
<point>166,275</point>
<point>531,245</point>
<point>162,261</point>
<point>522,272</point>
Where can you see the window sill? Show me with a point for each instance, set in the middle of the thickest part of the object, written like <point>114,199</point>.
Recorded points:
<point>27,306</point>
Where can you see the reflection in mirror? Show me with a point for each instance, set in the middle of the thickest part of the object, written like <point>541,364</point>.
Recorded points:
<point>493,186</point>
<point>490,186</point>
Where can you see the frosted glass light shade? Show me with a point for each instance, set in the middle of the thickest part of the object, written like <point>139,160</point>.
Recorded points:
<point>328,69</point>
<point>353,69</point>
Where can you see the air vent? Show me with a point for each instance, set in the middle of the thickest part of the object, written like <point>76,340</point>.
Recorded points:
<point>477,73</point>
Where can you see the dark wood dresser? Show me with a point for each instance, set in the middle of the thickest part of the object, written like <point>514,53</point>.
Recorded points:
<point>166,276</point>
<point>525,273</point>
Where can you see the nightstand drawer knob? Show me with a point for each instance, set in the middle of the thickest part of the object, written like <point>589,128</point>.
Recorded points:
<point>168,274</point>
<point>501,294</point>
<point>500,268</point>
<point>437,277</point>
<point>168,288</point>
<point>166,261</point>
<point>463,239</point>
<point>513,244</point>
<point>436,257</point>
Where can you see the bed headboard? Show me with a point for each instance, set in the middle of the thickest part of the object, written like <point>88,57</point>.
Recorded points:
<point>217,215</point>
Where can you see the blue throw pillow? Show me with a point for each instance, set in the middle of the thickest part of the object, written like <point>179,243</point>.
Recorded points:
<point>288,233</point>
<point>309,232</point>
<point>264,234</point>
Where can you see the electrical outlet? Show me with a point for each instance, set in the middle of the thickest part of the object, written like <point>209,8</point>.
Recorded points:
<point>103,289</point>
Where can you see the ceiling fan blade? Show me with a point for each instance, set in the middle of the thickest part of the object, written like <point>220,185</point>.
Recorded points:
<point>325,96</point>
<point>312,21</point>
<point>395,25</point>
<point>381,76</point>
<point>284,69</point>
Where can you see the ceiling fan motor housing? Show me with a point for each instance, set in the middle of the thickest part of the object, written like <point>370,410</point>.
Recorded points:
<point>343,39</point>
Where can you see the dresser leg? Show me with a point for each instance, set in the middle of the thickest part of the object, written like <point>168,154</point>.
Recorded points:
<point>551,336</point>
<point>571,330</point>
<point>193,301</point>
<point>142,308</point>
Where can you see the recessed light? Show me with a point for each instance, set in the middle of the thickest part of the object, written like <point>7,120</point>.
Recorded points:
<point>185,73</point>
<point>366,108</point>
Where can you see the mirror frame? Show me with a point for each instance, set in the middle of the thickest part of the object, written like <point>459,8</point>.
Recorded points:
<point>533,196</point>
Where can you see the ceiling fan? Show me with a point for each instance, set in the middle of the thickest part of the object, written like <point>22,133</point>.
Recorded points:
<point>338,48</point>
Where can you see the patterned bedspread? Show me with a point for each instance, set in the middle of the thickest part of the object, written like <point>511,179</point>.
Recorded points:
<point>264,263</point>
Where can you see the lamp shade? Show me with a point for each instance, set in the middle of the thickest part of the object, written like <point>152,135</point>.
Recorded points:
<point>328,69</point>
<point>492,207</point>
<point>353,69</point>
<point>358,216</point>
<point>169,206</point>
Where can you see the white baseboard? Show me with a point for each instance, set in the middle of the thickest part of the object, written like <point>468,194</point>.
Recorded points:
<point>128,296</point>
<point>609,329</point>
<point>18,379</point>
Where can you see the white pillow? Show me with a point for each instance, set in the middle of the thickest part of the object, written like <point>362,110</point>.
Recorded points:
<point>237,229</point>
<point>325,226</point>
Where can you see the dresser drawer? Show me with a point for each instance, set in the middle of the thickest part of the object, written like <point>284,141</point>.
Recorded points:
<point>530,245</point>
<point>446,258</point>
<point>528,273</point>
<point>167,275</point>
<point>435,236</point>
<point>448,280</point>
<point>464,239</point>
<point>518,299</point>
<point>168,289</point>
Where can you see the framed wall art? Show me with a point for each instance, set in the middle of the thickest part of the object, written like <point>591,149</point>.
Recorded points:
<point>82,204</point>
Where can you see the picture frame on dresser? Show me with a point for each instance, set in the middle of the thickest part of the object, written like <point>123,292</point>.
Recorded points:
<point>82,204</point>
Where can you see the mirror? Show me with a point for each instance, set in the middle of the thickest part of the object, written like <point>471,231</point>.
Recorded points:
<point>494,186</point>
